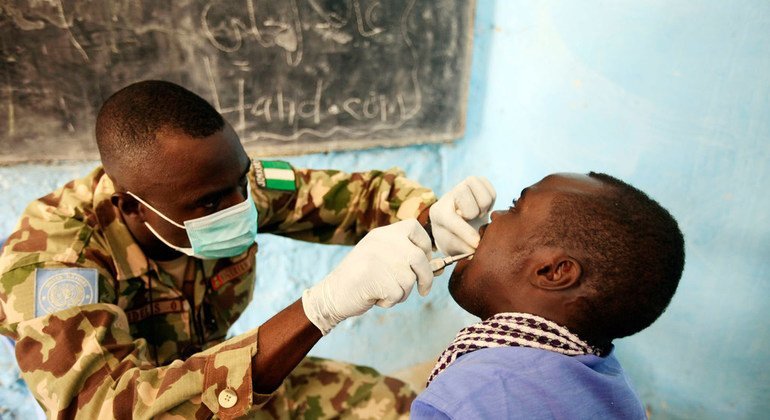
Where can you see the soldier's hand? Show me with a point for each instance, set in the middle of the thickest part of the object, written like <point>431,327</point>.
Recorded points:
<point>381,270</point>
<point>458,214</point>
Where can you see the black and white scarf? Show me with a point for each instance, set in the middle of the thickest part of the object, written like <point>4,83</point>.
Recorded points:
<point>513,329</point>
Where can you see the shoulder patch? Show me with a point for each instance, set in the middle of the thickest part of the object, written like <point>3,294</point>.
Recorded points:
<point>274,175</point>
<point>57,289</point>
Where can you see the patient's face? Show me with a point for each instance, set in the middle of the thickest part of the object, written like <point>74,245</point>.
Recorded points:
<point>497,274</point>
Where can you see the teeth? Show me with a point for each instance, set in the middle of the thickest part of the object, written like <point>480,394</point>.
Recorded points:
<point>470,258</point>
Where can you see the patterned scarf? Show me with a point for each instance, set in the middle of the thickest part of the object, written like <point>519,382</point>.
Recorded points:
<point>513,329</point>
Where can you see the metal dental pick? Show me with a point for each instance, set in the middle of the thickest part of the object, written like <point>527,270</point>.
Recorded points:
<point>438,264</point>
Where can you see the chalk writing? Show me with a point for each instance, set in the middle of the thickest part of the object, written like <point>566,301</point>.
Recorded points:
<point>291,111</point>
<point>290,76</point>
<point>228,32</point>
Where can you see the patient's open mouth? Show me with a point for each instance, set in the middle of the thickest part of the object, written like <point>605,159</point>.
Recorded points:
<point>483,229</point>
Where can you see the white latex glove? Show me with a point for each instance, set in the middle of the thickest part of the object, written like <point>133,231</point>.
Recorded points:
<point>458,214</point>
<point>381,270</point>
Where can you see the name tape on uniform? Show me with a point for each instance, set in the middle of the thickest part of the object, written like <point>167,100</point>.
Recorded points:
<point>234,271</point>
<point>57,289</point>
<point>158,307</point>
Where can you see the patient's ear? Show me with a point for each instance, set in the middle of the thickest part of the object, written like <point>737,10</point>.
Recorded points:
<point>557,271</point>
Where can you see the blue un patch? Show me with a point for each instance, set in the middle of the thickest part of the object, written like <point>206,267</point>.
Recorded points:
<point>57,289</point>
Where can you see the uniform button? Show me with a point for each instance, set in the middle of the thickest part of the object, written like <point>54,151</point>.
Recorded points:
<point>227,398</point>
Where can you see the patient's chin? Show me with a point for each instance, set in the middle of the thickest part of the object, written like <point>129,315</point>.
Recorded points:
<point>462,287</point>
<point>454,283</point>
<point>457,283</point>
<point>464,297</point>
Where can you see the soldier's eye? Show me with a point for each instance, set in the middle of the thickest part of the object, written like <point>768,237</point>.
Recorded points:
<point>211,205</point>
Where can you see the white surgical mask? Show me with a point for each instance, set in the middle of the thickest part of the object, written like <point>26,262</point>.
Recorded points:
<point>226,233</point>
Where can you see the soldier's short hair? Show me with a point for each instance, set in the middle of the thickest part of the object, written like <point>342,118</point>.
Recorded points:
<point>634,255</point>
<point>129,120</point>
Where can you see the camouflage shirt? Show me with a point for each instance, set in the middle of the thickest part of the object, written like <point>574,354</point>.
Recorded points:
<point>144,344</point>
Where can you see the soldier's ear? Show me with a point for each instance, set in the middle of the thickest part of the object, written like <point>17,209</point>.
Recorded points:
<point>126,204</point>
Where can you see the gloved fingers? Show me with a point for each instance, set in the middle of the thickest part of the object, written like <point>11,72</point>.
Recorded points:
<point>458,229</point>
<point>483,192</point>
<point>385,303</point>
<point>397,290</point>
<point>378,271</point>
<point>407,292</point>
<point>408,228</point>
<point>419,237</point>
<point>408,277</point>
<point>457,247</point>
<point>465,202</point>
<point>424,277</point>
<point>490,188</point>
<point>419,263</point>
<point>480,221</point>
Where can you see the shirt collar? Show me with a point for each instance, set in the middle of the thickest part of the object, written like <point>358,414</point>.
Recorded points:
<point>129,259</point>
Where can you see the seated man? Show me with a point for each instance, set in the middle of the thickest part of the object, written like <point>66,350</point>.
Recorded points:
<point>576,262</point>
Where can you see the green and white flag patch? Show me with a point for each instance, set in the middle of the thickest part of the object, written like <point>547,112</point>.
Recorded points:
<point>275,175</point>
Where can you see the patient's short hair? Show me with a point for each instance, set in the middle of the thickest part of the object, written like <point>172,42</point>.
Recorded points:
<point>633,255</point>
<point>128,122</point>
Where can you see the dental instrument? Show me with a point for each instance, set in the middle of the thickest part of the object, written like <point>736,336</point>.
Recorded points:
<point>438,264</point>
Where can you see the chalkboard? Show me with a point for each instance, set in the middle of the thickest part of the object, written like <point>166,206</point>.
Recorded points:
<point>291,76</point>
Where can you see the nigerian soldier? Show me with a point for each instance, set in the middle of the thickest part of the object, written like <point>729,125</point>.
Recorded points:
<point>119,287</point>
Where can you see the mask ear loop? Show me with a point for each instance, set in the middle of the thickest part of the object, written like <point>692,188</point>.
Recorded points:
<point>186,251</point>
<point>146,204</point>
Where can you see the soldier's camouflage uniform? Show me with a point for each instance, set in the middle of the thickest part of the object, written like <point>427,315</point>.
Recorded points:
<point>143,348</point>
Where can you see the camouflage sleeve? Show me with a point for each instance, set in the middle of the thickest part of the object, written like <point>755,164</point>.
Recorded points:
<point>83,362</point>
<point>330,206</point>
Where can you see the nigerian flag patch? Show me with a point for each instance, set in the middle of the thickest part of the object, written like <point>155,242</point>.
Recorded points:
<point>274,175</point>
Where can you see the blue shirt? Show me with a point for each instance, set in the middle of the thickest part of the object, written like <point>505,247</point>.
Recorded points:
<point>521,382</point>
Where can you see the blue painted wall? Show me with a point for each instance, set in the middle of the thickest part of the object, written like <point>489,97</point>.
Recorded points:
<point>673,97</point>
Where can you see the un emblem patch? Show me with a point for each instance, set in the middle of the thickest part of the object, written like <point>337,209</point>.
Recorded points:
<point>57,289</point>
